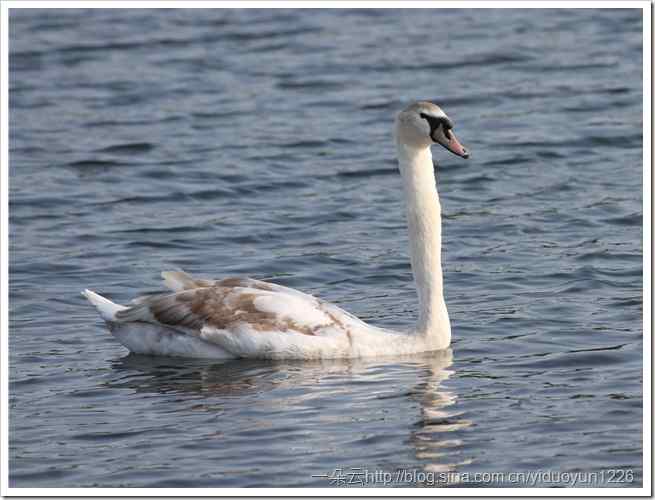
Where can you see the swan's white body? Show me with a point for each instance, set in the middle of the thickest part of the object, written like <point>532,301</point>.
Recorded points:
<point>240,317</point>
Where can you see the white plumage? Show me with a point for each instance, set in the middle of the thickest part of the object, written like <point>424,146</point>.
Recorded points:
<point>242,317</point>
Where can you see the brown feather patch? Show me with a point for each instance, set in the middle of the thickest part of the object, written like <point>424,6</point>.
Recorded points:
<point>222,308</point>
<point>243,283</point>
<point>223,305</point>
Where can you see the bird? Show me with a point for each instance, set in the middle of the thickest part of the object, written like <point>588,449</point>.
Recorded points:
<point>240,317</point>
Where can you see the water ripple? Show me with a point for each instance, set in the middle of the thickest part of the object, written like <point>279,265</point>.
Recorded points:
<point>258,142</point>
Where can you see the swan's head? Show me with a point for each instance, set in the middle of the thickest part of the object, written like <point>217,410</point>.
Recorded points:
<point>422,124</point>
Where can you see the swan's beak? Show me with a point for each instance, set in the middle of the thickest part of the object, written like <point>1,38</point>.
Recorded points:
<point>450,143</point>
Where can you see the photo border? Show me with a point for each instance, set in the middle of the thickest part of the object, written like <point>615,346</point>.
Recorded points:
<point>645,490</point>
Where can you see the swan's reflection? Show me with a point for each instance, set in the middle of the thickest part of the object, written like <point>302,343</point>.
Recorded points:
<point>225,378</point>
<point>433,440</point>
<point>154,374</point>
<point>324,396</point>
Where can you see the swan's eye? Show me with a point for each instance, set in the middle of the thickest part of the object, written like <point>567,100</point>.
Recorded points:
<point>434,123</point>
<point>430,119</point>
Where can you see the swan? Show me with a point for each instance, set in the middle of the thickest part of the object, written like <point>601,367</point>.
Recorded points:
<point>247,318</point>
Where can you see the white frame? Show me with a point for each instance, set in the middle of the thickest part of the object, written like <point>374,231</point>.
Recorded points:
<point>645,490</point>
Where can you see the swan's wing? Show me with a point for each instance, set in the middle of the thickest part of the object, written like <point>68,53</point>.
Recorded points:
<point>247,317</point>
<point>179,280</point>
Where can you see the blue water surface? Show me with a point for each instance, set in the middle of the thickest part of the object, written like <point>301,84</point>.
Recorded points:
<point>258,142</point>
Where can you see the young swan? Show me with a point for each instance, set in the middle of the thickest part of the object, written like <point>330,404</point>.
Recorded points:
<point>242,317</point>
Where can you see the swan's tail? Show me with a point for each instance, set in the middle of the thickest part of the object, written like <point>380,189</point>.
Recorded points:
<point>105,307</point>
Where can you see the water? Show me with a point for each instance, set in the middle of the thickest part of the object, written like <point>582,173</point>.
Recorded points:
<point>259,142</point>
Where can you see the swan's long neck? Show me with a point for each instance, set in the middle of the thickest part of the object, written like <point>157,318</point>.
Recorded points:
<point>424,221</point>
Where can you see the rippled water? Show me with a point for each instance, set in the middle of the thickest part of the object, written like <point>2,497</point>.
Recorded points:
<point>258,142</point>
